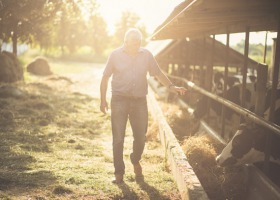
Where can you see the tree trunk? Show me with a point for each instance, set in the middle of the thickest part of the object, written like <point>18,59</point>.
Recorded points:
<point>14,38</point>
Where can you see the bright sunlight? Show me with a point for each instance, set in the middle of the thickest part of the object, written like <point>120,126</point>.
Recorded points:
<point>149,12</point>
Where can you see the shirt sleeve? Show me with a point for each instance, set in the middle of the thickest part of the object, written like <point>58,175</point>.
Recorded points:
<point>154,68</point>
<point>108,71</point>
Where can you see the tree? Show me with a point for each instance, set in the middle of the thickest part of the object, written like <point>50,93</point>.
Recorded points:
<point>98,36</point>
<point>20,19</point>
<point>256,51</point>
<point>70,27</point>
<point>78,24</point>
<point>128,20</point>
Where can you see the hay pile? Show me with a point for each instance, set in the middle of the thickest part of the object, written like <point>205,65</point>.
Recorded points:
<point>180,121</point>
<point>10,68</point>
<point>218,182</point>
<point>201,151</point>
<point>40,66</point>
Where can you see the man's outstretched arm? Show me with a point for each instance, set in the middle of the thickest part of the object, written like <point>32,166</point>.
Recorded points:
<point>166,82</point>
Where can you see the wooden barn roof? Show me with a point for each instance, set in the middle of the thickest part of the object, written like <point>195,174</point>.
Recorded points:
<point>193,18</point>
<point>197,52</point>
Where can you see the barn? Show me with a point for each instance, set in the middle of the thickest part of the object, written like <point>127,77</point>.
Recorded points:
<point>178,56</point>
<point>191,30</point>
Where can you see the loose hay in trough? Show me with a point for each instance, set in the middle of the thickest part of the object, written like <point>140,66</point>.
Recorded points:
<point>201,150</point>
<point>180,121</point>
<point>218,182</point>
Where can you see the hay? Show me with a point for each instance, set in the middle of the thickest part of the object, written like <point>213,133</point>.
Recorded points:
<point>180,121</point>
<point>153,132</point>
<point>218,182</point>
<point>40,66</point>
<point>201,150</point>
<point>11,69</point>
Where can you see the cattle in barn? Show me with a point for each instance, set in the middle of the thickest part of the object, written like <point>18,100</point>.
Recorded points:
<point>248,144</point>
<point>233,94</point>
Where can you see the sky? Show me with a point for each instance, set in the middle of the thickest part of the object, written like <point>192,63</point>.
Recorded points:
<point>153,12</point>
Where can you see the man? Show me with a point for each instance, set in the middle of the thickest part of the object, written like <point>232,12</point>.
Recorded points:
<point>129,65</point>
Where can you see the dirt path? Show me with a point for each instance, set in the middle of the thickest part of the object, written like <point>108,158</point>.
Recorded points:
<point>56,144</point>
<point>88,82</point>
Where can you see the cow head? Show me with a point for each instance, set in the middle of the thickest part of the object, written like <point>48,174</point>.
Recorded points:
<point>218,83</point>
<point>243,148</point>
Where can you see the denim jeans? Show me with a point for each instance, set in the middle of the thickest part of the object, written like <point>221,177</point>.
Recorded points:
<point>135,110</point>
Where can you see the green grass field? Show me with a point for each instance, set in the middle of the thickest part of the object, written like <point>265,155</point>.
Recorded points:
<point>56,144</point>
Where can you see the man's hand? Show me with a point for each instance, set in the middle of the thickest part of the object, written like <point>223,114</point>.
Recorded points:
<point>178,90</point>
<point>104,107</point>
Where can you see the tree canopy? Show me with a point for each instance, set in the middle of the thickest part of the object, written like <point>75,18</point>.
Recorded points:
<point>66,24</point>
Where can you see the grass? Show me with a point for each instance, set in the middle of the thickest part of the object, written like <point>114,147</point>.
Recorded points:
<point>56,144</point>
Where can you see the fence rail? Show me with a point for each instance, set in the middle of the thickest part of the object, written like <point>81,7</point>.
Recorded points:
<point>244,112</point>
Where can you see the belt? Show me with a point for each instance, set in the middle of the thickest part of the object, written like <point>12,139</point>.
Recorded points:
<point>130,97</point>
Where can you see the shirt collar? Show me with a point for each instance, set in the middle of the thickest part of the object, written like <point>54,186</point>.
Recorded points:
<point>140,50</point>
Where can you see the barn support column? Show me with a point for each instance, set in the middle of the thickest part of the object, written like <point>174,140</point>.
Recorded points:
<point>262,72</point>
<point>209,69</point>
<point>244,70</point>
<point>225,82</point>
<point>275,75</point>
<point>265,48</point>
<point>203,65</point>
<point>210,72</point>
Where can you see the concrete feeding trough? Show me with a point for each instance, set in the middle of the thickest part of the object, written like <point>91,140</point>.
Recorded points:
<point>257,184</point>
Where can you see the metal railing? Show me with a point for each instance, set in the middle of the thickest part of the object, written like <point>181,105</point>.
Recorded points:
<point>244,112</point>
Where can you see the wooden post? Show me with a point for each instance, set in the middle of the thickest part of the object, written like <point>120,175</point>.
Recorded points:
<point>265,48</point>
<point>245,66</point>
<point>262,72</point>
<point>275,75</point>
<point>225,84</point>
<point>210,72</point>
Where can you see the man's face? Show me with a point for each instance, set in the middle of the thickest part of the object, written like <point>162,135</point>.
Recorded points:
<point>132,46</point>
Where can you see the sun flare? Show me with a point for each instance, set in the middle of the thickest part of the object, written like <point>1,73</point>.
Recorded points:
<point>149,12</point>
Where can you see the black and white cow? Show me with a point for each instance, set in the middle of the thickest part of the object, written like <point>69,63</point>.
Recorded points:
<point>248,144</point>
<point>233,94</point>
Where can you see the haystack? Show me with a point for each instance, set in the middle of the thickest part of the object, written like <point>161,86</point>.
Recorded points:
<point>10,68</point>
<point>40,66</point>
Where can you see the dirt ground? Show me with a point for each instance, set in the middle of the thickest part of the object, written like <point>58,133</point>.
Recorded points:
<point>56,144</point>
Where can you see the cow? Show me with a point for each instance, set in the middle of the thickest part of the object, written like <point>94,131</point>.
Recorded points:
<point>248,144</point>
<point>233,94</point>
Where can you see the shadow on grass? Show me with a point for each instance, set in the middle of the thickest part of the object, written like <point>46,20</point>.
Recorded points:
<point>152,192</point>
<point>30,124</point>
<point>25,180</point>
<point>127,192</point>
<point>15,172</point>
<point>16,144</point>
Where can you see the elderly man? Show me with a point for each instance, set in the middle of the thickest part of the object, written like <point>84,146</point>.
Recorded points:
<point>129,65</point>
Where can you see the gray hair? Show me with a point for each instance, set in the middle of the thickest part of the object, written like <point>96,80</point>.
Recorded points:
<point>132,34</point>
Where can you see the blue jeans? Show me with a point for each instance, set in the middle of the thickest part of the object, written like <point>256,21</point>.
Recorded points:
<point>136,111</point>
